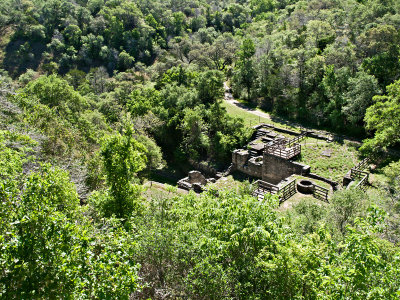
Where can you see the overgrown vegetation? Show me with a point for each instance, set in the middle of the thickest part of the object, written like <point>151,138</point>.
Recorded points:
<point>96,95</point>
<point>330,160</point>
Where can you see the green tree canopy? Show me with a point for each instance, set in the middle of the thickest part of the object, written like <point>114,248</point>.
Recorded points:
<point>123,157</point>
<point>383,118</point>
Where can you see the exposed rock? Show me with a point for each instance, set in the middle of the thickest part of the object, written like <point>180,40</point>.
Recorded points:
<point>327,153</point>
<point>211,180</point>
<point>197,177</point>
<point>197,187</point>
<point>184,184</point>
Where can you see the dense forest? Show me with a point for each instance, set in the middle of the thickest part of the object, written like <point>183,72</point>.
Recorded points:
<point>96,96</point>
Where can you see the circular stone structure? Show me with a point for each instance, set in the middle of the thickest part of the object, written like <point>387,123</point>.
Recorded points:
<point>305,186</point>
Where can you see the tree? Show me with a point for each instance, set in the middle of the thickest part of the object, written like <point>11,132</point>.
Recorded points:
<point>345,206</point>
<point>392,185</point>
<point>320,34</point>
<point>91,46</point>
<point>358,98</point>
<point>310,215</point>
<point>245,73</point>
<point>143,100</point>
<point>210,87</point>
<point>72,34</point>
<point>222,51</point>
<point>383,117</point>
<point>125,61</point>
<point>194,130</point>
<point>334,83</point>
<point>179,23</point>
<point>381,45</point>
<point>261,6</point>
<point>53,187</point>
<point>123,156</point>
<point>56,92</point>
<point>153,153</point>
<point>27,77</point>
<point>76,78</point>
<point>97,78</point>
<point>47,244</point>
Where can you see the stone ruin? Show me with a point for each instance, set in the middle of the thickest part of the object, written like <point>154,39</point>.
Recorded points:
<point>270,158</point>
<point>195,181</point>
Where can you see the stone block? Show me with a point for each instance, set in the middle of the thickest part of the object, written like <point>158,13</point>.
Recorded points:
<point>197,177</point>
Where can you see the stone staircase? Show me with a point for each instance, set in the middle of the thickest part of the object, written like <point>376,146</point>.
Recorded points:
<point>253,153</point>
<point>260,133</point>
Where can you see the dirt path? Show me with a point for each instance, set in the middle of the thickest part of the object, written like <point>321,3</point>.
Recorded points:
<point>229,98</point>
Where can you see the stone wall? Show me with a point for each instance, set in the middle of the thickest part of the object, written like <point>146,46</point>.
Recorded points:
<point>269,168</point>
<point>347,179</point>
<point>276,169</point>
<point>241,162</point>
<point>278,129</point>
<point>240,157</point>
<point>334,184</point>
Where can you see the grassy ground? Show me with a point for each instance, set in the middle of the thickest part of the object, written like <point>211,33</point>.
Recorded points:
<point>342,158</point>
<point>230,183</point>
<point>251,120</point>
<point>293,201</point>
<point>156,189</point>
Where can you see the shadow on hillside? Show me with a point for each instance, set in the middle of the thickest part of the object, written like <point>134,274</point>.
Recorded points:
<point>20,55</point>
<point>239,176</point>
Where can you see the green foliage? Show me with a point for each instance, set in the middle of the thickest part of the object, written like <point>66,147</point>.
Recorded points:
<point>159,66</point>
<point>262,6</point>
<point>210,87</point>
<point>141,101</point>
<point>49,249</point>
<point>11,162</point>
<point>235,245</point>
<point>217,236</point>
<point>123,156</point>
<point>383,117</point>
<point>56,92</point>
<point>179,75</point>
<point>153,153</point>
<point>194,130</point>
<point>345,207</point>
<point>381,43</point>
<point>72,127</point>
<point>27,77</point>
<point>50,187</point>
<point>125,61</point>
<point>245,72</point>
<point>392,185</point>
<point>359,98</point>
<point>310,215</point>
<point>286,48</point>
